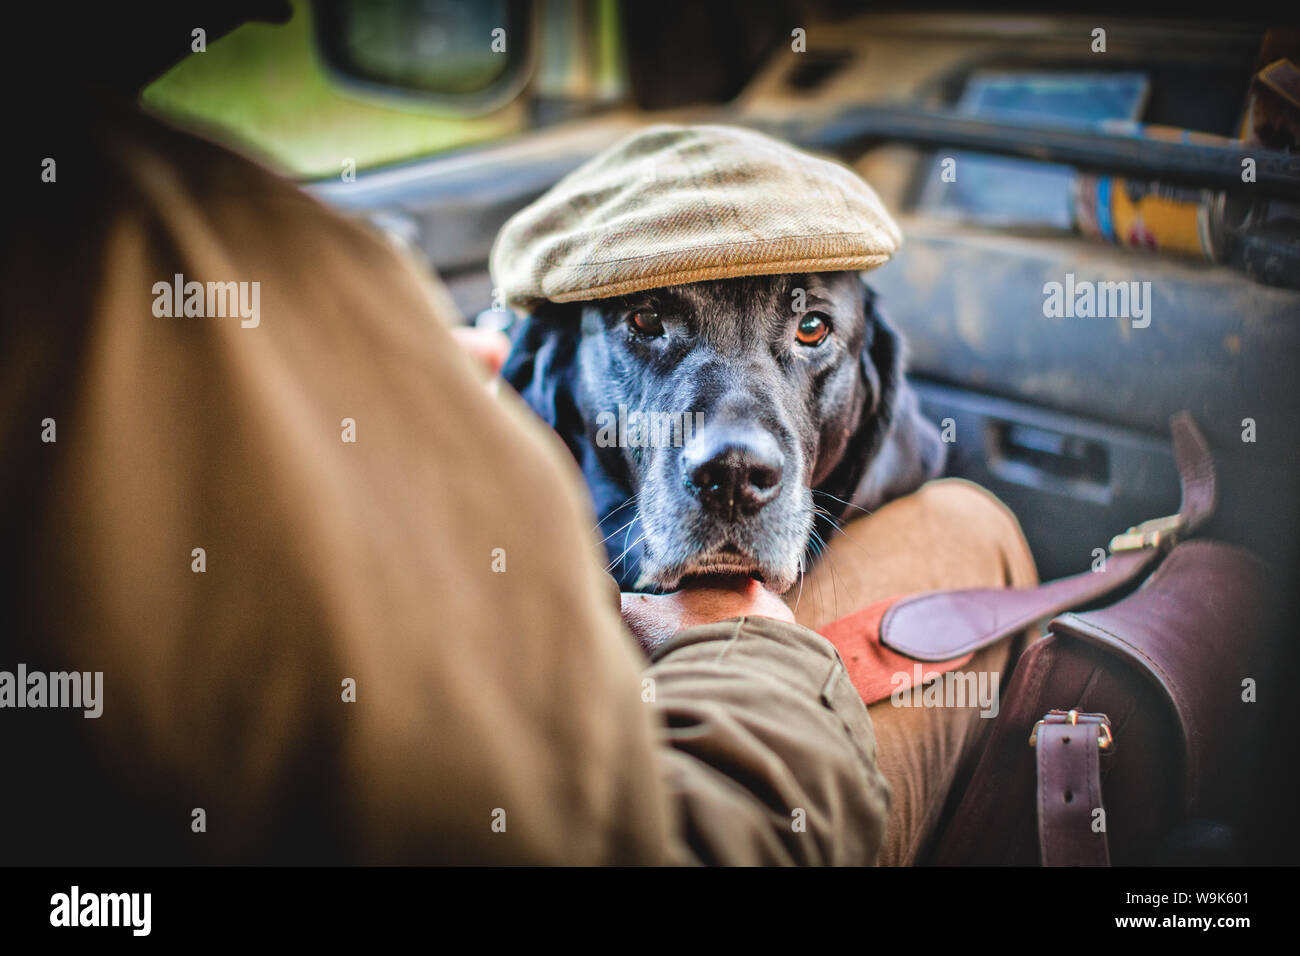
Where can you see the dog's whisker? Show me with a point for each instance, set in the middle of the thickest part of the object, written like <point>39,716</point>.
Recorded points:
<point>612,533</point>
<point>629,501</point>
<point>613,564</point>
<point>837,581</point>
<point>818,545</point>
<point>847,504</point>
<point>799,596</point>
<point>830,518</point>
<point>834,524</point>
<point>823,550</point>
<point>628,547</point>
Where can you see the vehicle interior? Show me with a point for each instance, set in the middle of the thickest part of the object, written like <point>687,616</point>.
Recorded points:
<point>1064,420</point>
<point>1042,120</point>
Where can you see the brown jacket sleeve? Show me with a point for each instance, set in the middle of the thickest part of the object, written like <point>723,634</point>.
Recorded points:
<point>772,755</point>
<point>345,604</point>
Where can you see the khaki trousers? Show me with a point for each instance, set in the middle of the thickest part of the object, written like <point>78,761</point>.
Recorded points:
<point>948,534</point>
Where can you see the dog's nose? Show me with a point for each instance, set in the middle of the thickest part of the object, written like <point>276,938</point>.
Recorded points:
<point>733,472</point>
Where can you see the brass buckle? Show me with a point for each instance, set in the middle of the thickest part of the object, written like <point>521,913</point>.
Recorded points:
<point>1149,534</point>
<point>1105,739</point>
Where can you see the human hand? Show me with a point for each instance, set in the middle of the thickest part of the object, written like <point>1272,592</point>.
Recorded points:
<point>654,618</point>
<point>488,346</point>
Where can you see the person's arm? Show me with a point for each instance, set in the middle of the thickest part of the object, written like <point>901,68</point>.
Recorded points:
<point>738,685</point>
<point>772,755</point>
<point>346,603</point>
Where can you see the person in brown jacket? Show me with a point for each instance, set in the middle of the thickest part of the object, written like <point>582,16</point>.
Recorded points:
<point>340,603</point>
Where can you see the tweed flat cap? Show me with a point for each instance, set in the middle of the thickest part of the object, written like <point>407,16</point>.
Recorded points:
<point>677,204</point>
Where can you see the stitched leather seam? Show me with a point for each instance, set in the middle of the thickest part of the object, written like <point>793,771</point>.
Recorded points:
<point>1174,687</point>
<point>906,605</point>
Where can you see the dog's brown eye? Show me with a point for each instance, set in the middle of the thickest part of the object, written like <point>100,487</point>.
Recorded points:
<point>812,329</point>
<point>645,322</point>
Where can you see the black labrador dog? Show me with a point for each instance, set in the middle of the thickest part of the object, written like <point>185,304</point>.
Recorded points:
<point>722,426</point>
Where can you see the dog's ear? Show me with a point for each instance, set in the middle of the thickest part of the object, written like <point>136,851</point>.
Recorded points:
<point>542,367</point>
<point>895,449</point>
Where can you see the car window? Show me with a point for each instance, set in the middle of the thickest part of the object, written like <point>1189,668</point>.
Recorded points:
<point>266,87</point>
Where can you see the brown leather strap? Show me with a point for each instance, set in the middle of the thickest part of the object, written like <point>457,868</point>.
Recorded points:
<point>942,625</point>
<point>1071,818</point>
<point>1195,473</point>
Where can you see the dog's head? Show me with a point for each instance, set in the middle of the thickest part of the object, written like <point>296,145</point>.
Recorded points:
<point>717,423</point>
